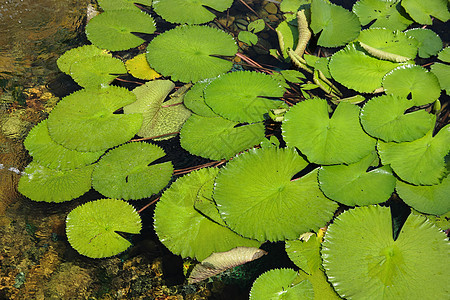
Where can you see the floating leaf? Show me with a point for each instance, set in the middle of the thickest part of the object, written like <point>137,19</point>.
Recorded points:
<point>442,222</point>
<point>113,29</point>
<point>243,96</point>
<point>248,38</point>
<point>66,60</point>
<point>218,262</point>
<point>337,25</point>
<point>414,83</point>
<point>290,7</point>
<point>387,14</point>
<point>390,45</point>
<point>293,76</point>
<point>278,284</point>
<point>442,73</point>
<point>85,120</point>
<point>129,172</point>
<point>420,161</point>
<point>376,266</point>
<point>421,11</point>
<point>429,42</point>
<point>357,70</point>
<point>305,253</point>
<point>287,37</point>
<point>384,117</point>
<point>187,53</point>
<point>431,199</point>
<point>218,138</point>
<point>319,63</point>
<point>43,184</point>
<point>92,228</point>
<point>354,185</point>
<point>139,68</point>
<point>444,54</point>
<point>256,26</point>
<point>52,155</point>
<point>195,101</point>
<point>185,231</point>
<point>257,198</point>
<point>121,4</point>
<point>340,139</point>
<point>189,12</point>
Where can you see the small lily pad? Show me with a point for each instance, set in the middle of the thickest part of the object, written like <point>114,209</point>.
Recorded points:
<point>256,26</point>
<point>66,60</point>
<point>429,42</point>
<point>421,11</point>
<point>248,37</point>
<point>129,172</point>
<point>444,54</point>
<point>442,72</point>
<point>138,67</point>
<point>92,228</point>
<point>195,100</point>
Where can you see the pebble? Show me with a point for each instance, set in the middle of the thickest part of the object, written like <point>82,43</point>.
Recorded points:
<point>271,8</point>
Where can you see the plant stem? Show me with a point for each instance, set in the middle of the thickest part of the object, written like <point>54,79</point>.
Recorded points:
<point>304,34</point>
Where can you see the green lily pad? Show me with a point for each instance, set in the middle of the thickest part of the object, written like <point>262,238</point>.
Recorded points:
<point>256,26</point>
<point>92,228</point>
<point>354,185</point>
<point>257,198</point>
<point>185,231</point>
<point>387,14</point>
<point>290,7</point>
<point>305,252</point>
<point>278,284</point>
<point>414,83</point>
<point>419,162</point>
<point>428,41</point>
<point>241,96</point>
<point>52,155</point>
<point>384,117</point>
<point>337,25</point>
<point>49,185</point>
<point>129,172</point>
<point>187,53</point>
<point>442,72</point>
<point>319,63</point>
<point>248,37</point>
<point>390,45</point>
<point>356,70</point>
<point>195,101</point>
<point>378,267</point>
<point>85,120</point>
<point>429,199</point>
<point>442,221</point>
<point>218,138</point>
<point>71,56</point>
<point>340,139</point>
<point>189,11</point>
<point>421,11</point>
<point>113,29</point>
<point>122,4</point>
<point>444,54</point>
<point>287,37</point>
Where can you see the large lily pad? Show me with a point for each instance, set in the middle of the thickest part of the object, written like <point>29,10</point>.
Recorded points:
<point>92,227</point>
<point>421,11</point>
<point>66,60</point>
<point>363,261</point>
<point>340,139</point>
<point>187,53</point>
<point>129,172</point>
<point>257,198</point>
<point>122,4</point>
<point>420,161</point>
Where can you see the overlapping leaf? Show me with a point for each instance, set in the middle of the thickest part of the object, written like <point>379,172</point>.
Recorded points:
<point>387,14</point>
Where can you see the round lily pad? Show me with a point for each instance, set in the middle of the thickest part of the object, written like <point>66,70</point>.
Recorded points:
<point>189,53</point>
<point>93,228</point>
<point>280,284</point>
<point>414,83</point>
<point>122,4</point>
<point>248,37</point>
<point>66,60</point>
<point>52,155</point>
<point>429,42</point>
<point>257,198</point>
<point>128,172</point>
<point>363,261</point>
<point>421,11</point>
<point>189,11</point>
<point>384,117</point>
<point>113,29</point>
<point>429,199</point>
<point>85,120</point>
<point>218,138</point>
<point>49,185</point>
<point>186,231</point>
<point>242,96</point>
<point>195,101</point>
<point>308,127</point>
<point>354,185</point>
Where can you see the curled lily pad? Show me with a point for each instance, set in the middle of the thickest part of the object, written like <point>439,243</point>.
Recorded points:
<point>195,100</point>
<point>122,4</point>
<point>430,199</point>
<point>129,172</point>
<point>92,228</point>
<point>385,117</point>
<point>421,11</point>
<point>217,137</point>
<point>183,229</point>
<point>189,11</point>
<point>378,267</point>
<point>66,60</point>
<point>85,120</point>
<point>49,185</point>
<point>414,83</point>
<point>243,96</point>
<point>52,155</point>
<point>308,127</point>
<point>257,198</point>
<point>189,53</point>
<point>139,68</point>
<point>420,161</point>
<point>429,42</point>
<point>112,30</point>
